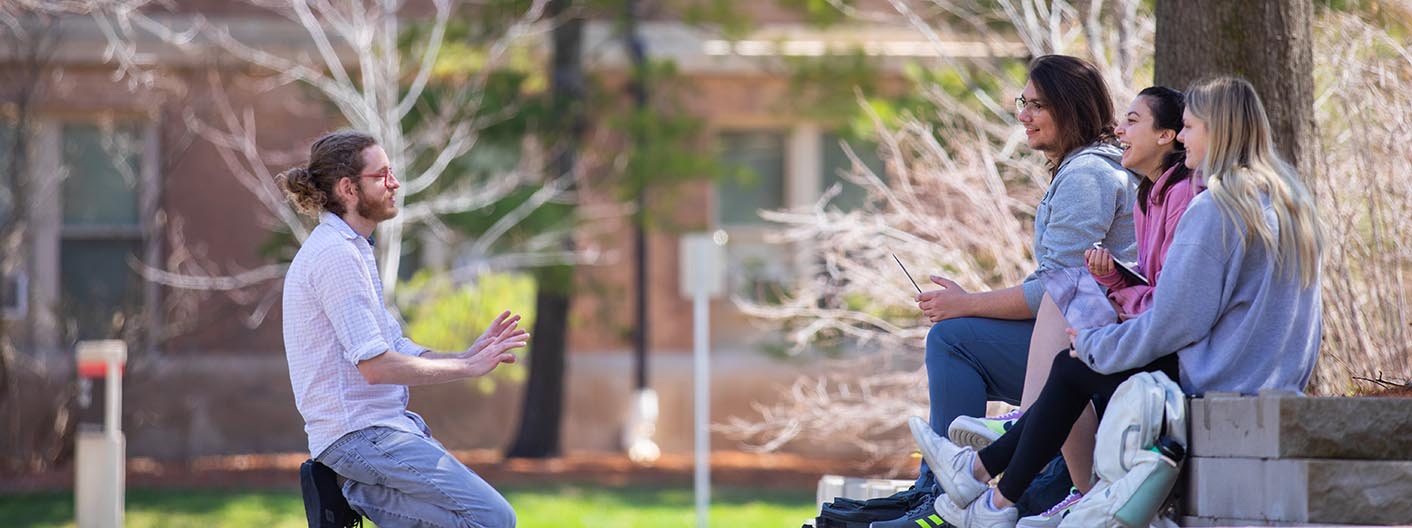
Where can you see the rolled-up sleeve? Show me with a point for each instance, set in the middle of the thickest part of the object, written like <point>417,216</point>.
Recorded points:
<point>401,343</point>
<point>345,291</point>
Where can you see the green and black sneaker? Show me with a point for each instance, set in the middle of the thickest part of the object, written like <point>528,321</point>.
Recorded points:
<point>977,433</point>
<point>922,516</point>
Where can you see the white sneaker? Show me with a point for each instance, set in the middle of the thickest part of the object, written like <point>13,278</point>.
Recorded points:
<point>951,513</point>
<point>1055,514</point>
<point>980,515</point>
<point>949,462</point>
<point>977,433</point>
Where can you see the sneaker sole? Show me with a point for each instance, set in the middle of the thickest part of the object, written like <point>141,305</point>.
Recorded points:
<point>964,435</point>
<point>1028,522</point>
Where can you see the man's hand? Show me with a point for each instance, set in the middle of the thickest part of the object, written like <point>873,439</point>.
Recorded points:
<point>943,304</point>
<point>494,345</point>
<point>1100,261</point>
<point>504,321</point>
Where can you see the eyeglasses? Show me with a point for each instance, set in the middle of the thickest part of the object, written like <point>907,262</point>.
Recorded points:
<point>1034,105</point>
<point>388,178</point>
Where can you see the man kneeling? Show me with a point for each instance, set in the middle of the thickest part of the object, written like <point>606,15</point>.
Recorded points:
<point>350,365</point>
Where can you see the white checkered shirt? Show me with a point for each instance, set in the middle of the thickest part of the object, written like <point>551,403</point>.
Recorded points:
<point>334,318</point>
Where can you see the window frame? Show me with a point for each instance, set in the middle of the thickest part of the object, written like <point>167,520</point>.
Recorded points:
<point>49,232</point>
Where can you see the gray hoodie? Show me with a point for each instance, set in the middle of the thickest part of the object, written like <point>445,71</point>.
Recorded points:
<point>1091,199</point>
<point>1234,321</point>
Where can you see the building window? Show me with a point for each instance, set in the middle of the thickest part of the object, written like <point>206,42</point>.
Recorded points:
<point>101,230</point>
<point>756,160</point>
<point>13,281</point>
<point>7,157</point>
<point>835,164</point>
<point>758,165</point>
<point>787,167</point>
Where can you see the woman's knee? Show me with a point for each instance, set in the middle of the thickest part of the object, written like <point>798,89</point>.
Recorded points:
<point>1065,366</point>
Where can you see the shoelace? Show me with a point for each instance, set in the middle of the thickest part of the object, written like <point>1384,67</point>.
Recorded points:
<point>924,506</point>
<point>1068,501</point>
<point>962,462</point>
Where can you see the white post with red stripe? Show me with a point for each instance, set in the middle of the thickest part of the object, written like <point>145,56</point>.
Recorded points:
<point>100,453</point>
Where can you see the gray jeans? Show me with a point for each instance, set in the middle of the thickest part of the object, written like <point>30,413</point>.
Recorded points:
<point>401,479</point>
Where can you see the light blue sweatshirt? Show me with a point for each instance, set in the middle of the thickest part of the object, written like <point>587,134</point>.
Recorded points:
<point>1090,200</point>
<point>1235,322</point>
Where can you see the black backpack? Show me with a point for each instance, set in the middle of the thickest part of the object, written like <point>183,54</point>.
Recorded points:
<point>853,513</point>
<point>324,505</point>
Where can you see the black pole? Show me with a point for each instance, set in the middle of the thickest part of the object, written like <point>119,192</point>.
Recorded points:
<point>637,89</point>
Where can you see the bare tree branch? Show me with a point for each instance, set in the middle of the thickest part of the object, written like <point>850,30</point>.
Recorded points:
<point>358,35</point>
<point>962,206</point>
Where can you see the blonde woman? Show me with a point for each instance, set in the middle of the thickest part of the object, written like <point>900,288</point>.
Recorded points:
<point>1238,309</point>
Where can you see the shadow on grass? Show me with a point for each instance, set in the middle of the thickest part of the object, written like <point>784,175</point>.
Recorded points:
<point>569,505</point>
<point>171,508</point>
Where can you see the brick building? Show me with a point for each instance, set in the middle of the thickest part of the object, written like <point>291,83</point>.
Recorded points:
<point>219,385</point>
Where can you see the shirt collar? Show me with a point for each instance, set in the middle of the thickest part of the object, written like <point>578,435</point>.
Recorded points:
<point>339,226</point>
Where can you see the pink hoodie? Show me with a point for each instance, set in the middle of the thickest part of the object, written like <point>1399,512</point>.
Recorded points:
<point>1154,235</point>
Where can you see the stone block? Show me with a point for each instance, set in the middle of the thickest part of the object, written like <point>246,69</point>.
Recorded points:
<point>1301,490</point>
<point>833,486</point>
<point>1225,523</point>
<point>875,488</point>
<point>1285,425</point>
<point>830,486</point>
<point>853,488</point>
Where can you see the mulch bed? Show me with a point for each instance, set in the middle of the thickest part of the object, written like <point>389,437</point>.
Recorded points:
<point>281,471</point>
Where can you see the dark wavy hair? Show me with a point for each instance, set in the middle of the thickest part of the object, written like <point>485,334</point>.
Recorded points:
<point>1166,105</point>
<point>1078,97</point>
<point>334,156</point>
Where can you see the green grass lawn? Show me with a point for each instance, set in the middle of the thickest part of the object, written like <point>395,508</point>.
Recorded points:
<point>559,506</point>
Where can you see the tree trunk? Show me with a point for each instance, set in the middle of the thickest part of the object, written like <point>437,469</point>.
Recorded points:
<point>1268,42</point>
<point>543,409</point>
<point>540,416</point>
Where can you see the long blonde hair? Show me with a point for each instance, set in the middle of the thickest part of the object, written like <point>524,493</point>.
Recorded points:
<point>1241,164</point>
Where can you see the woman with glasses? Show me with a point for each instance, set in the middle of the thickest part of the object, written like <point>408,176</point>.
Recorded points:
<point>980,343</point>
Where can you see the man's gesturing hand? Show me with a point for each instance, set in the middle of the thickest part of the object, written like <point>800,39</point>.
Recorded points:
<point>493,347</point>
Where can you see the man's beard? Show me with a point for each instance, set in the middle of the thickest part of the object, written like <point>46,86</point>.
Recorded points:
<point>375,210</point>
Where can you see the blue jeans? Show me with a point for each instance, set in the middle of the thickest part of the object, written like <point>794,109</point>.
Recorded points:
<point>397,479</point>
<point>971,360</point>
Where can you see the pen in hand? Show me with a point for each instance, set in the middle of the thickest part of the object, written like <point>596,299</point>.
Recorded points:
<point>904,271</point>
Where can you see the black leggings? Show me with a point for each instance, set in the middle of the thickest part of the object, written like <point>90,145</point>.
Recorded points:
<point>1034,440</point>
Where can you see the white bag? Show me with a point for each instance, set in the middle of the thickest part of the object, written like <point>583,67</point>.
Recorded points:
<point>1131,473</point>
